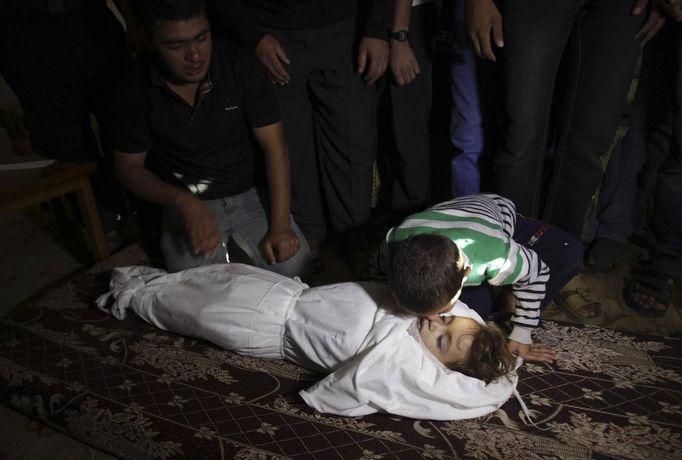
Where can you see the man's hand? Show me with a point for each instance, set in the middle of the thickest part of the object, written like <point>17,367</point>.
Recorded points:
<point>372,58</point>
<point>654,22</point>
<point>639,6</point>
<point>484,22</point>
<point>404,65</point>
<point>280,245</point>
<point>272,55</point>
<point>532,352</point>
<point>200,225</point>
<point>672,9</point>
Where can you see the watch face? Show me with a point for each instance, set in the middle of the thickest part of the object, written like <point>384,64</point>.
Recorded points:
<point>400,35</point>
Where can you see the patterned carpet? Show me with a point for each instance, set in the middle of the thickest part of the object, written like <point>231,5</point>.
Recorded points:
<point>136,392</point>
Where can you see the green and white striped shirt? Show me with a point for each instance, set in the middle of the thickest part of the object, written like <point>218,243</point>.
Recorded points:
<point>482,227</point>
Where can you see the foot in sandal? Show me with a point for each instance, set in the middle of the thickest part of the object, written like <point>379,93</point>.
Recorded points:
<point>577,302</point>
<point>649,293</point>
<point>604,255</point>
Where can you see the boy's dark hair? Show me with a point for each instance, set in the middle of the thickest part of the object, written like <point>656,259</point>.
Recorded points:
<point>423,273</point>
<point>149,11</point>
<point>488,357</point>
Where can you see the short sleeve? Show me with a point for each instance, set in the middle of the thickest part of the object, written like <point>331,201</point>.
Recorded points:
<point>129,114</point>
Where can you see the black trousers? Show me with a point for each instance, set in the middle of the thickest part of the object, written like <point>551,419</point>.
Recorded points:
<point>329,117</point>
<point>404,111</point>
<point>596,39</point>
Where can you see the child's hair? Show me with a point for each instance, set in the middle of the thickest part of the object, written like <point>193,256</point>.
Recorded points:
<point>423,273</point>
<point>149,11</point>
<point>488,357</point>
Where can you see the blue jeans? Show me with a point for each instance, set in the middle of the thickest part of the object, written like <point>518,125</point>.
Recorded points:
<point>239,217</point>
<point>466,125</point>
<point>611,215</point>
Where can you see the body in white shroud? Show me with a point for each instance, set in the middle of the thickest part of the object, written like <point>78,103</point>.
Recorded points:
<point>375,359</point>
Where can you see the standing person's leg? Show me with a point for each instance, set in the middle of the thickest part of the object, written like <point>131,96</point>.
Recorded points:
<point>466,124</point>
<point>666,224</point>
<point>603,55</point>
<point>535,35</point>
<point>249,221</point>
<point>345,126</point>
<point>657,85</point>
<point>410,111</point>
<point>297,118</point>
<point>650,291</point>
<point>615,204</point>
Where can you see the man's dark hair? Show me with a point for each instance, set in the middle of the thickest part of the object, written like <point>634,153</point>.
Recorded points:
<point>488,357</point>
<point>423,274</point>
<point>149,11</point>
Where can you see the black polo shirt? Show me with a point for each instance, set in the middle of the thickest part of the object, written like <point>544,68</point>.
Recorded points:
<point>207,148</point>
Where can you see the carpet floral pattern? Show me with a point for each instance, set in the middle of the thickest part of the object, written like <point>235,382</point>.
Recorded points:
<point>138,393</point>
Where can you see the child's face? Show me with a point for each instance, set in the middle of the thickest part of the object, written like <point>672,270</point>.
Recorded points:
<point>448,338</point>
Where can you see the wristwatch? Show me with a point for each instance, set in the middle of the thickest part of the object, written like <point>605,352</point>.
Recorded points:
<point>400,36</point>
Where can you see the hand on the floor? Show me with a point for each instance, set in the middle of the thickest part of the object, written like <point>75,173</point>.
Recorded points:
<point>280,245</point>
<point>404,64</point>
<point>200,226</point>
<point>484,22</point>
<point>272,55</point>
<point>532,352</point>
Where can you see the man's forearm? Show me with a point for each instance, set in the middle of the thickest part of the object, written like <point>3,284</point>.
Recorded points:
<point>379,18</point>
<point>401,15</point>
<point>271,139</point>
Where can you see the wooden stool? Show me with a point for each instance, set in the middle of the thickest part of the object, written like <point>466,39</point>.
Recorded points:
<point>21,189</point>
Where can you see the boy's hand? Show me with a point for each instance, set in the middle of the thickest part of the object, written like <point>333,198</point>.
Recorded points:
<point>532,352</point>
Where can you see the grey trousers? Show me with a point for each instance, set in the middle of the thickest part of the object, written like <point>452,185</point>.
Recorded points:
<point>242,218</point>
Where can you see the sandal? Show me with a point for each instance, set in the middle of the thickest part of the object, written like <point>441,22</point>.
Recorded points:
<point>603,256</point>
<point>576,302</point>
<point>653,284</point>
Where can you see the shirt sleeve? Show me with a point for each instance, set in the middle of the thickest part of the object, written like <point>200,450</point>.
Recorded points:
<point>525,272</point>
<point>507,212</point>
<point>260,101</point>
<point>528,276</point>
<point>129,115</point>
<point>379,18</point>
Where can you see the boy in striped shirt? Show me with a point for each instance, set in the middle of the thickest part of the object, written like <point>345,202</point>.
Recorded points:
<point>475,242</point>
